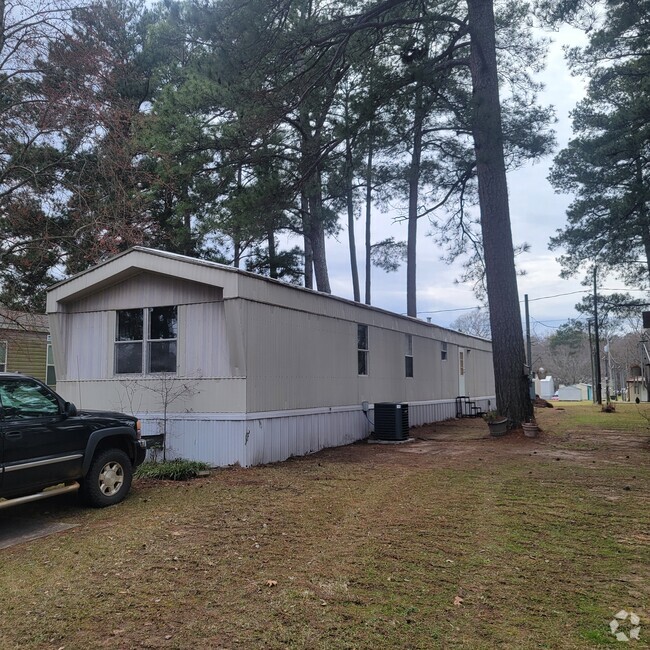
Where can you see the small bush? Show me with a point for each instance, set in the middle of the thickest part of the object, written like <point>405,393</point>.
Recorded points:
<point>171,470</point>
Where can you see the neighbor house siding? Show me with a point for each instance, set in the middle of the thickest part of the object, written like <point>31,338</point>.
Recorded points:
<point>26,352</point>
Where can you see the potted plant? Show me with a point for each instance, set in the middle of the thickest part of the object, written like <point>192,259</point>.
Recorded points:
<point>530,428</point>
<point>497,423</point>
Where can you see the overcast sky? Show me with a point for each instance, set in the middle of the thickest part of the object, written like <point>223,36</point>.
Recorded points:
<point>536,213</point>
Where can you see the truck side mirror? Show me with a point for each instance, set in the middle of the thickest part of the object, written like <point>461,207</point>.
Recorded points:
<point>69,410</point>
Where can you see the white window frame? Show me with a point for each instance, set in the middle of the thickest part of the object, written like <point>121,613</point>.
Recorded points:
<point>145,342</point>
<point>363,352</point>
<point>3,365</point>
<point>443,351</point>
<point>408,355</point>
<point>49,354</point>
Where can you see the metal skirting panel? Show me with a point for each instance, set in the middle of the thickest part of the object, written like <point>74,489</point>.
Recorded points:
<point>222,439</point>
<point>273,439</point>
<point>439,410</point>
<point>217,442</point>
<point>426,412</point>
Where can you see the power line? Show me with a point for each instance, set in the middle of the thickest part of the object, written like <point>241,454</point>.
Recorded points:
<point>551,327</point>
<point>442,311</point>
<point>556,295</point>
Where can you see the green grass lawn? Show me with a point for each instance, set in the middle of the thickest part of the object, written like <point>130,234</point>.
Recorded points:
<point>455,540</point>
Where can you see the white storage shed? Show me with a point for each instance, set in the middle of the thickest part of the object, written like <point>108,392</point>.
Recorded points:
<point>571,393</point>
<point>239,368</point>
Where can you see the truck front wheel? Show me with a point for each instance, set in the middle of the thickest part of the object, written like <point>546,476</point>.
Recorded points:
<point>108,480</point>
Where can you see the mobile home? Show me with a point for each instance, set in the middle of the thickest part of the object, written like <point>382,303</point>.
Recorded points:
<point>240,368</point>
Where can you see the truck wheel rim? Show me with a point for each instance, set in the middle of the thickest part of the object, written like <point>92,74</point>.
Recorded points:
<point>111,478</point>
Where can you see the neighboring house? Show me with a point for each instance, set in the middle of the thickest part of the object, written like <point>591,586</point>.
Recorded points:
<point>239,368</point>
<point>636,386</point>
<point>571,393</point>
<point>25,345</point>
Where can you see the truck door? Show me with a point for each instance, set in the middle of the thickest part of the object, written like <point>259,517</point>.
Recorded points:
<point>40,446</point>
<point>2,440</point>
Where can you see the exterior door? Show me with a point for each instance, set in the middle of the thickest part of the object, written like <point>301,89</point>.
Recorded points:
<point>461,372</point>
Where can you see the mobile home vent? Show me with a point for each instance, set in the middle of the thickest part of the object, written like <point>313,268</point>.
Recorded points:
<point>391,421</point>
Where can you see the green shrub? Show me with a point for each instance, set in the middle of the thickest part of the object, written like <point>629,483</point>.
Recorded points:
<point>172,470</point>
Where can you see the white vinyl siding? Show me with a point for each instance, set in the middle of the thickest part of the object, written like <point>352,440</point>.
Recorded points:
<point>203,341</point>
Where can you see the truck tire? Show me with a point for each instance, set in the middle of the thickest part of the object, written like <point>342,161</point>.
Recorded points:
<point>108,480</point>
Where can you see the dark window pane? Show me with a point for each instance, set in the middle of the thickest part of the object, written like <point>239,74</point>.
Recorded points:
<point>362,337</point>
<point>128,358</point>
<point>409,366</point>
<point>363,362</point>
<point>164,323</point>
<point>162,356</point>
<point>50,379</point>
<point>129,325</point>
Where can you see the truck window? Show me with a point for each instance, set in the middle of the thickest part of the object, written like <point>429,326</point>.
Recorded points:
<point>23,399</point>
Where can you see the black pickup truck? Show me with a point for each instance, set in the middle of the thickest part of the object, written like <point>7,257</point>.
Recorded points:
<point>47,447</point>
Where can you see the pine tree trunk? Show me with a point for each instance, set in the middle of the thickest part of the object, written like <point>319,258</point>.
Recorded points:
<point>509,356</point>
<point>414,186</point>
<point>368,219</point>
<point>273,259</point>
<point>317,238</point>
<point>236,246</point>
<point>310,148</point>
<point>236,236</point>
<point>350,206</point>
<point>644,213</point>
<point>306,237</point>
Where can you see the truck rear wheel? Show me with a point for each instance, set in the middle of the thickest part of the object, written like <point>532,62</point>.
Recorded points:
<point>108,480</point>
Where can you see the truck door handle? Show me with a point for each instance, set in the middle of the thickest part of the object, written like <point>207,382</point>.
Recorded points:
<point>13,434</point>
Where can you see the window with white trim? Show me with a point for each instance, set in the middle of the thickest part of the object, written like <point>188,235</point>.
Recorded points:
<point>3,356</point>
<point>50,373</point>
<point>408,357</point>
<point>362,349</point>
<point>443,351</point>
<point>146,340</point>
